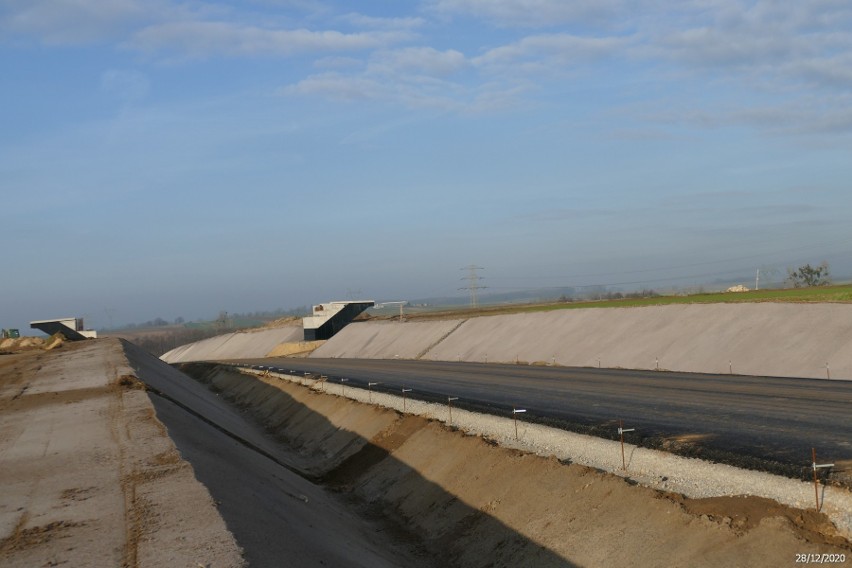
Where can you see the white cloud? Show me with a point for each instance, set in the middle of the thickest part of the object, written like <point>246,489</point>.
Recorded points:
<point>552,49</point>
<point>337,86</point>
<point>73,21</point>
<point>417,60</point>
<point>808,115</point>
<point>779,40</point>
<point>362,21</point>
<point>531,13</point>
<point>200,39</point>
<point>337,62</point>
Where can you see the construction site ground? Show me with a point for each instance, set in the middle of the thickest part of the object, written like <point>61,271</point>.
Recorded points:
<point>96,471</point>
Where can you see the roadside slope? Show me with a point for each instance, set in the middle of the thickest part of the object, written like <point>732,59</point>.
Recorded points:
<point>462,495</point>
<point>770,339</point>
<point>252,343</point>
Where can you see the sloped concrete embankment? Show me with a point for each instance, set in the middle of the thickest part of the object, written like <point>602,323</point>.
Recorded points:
<point>238,345</point>
<point>773,339</point>
<point>475,504</point>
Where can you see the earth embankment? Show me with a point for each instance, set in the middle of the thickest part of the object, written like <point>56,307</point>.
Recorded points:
<point>473,503</point>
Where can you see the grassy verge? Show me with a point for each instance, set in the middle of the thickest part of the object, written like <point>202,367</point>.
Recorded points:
<point>822,294</point>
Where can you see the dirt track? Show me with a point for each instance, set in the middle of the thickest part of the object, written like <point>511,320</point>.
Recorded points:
<point>88,476</point>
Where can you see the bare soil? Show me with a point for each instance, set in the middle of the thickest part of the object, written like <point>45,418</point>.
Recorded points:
<point>478,504</point>
<point>88,476</point>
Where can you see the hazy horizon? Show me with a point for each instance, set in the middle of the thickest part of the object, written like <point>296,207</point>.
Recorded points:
<point>175,159</point>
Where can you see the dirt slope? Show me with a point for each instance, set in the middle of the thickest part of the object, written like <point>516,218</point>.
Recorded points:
<point>480,505</point>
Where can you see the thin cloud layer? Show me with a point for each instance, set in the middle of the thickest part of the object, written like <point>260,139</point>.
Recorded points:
<point>530,13</point>
<point>211,39</point>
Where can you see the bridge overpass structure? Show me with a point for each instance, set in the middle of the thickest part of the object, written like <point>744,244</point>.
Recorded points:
<point>73,329</point>
<point>329,318</point>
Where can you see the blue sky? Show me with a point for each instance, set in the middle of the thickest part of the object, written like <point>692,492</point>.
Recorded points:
<point>163,158</point>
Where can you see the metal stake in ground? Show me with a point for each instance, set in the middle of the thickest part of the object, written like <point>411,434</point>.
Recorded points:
<point>343,386</point>
<point>817,466</point>
<point>621,431</point>
<point>515,412</point>
<point>450,400</point>
<point>404,390</point>
<point>370,387</point>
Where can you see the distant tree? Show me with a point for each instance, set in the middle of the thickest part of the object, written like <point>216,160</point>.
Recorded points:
<point>807,275</point>
<point>179,320</point>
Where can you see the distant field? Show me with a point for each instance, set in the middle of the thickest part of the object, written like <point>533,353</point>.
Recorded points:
<point>837,294</point>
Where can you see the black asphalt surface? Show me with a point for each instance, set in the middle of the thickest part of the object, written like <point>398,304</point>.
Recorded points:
<point>769,423</point>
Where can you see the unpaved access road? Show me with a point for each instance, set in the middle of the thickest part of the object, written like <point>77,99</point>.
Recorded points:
<point>763,422</point>
<point>88,476</point>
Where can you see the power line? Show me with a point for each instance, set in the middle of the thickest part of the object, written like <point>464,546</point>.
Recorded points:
<point>473,278</point>
<point>681,266</point>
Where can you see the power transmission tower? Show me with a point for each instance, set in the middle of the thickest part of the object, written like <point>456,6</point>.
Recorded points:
<point>473,283</point>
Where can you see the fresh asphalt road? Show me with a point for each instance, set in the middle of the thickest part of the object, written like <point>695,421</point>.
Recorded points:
<point>769,418</point>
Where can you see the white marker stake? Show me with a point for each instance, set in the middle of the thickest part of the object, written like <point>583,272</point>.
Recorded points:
<point>515,412</point>
<point>343,386</point>
<point>450,400</point>
<point>817,466</point>
<point>370,386</point>
<point>621,431</point>
<point>403,398</point>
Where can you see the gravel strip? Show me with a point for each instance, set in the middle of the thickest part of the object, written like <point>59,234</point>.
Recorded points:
<point>692,477</point>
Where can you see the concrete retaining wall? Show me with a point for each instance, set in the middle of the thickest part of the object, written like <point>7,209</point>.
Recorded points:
<point>754,339</point>
<point>776,339</point>
<point>386,340</point>
<point>239,345</point>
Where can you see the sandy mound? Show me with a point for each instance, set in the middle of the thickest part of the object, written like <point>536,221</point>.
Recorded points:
<point>20,344</point>
<point>295,349</point>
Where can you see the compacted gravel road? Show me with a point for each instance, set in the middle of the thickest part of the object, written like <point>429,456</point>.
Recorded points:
<point>771,419</point>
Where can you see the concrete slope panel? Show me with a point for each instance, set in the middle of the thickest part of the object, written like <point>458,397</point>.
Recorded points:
<point>385,339</point>
<point>238,345</point>
<point>760,339</point>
